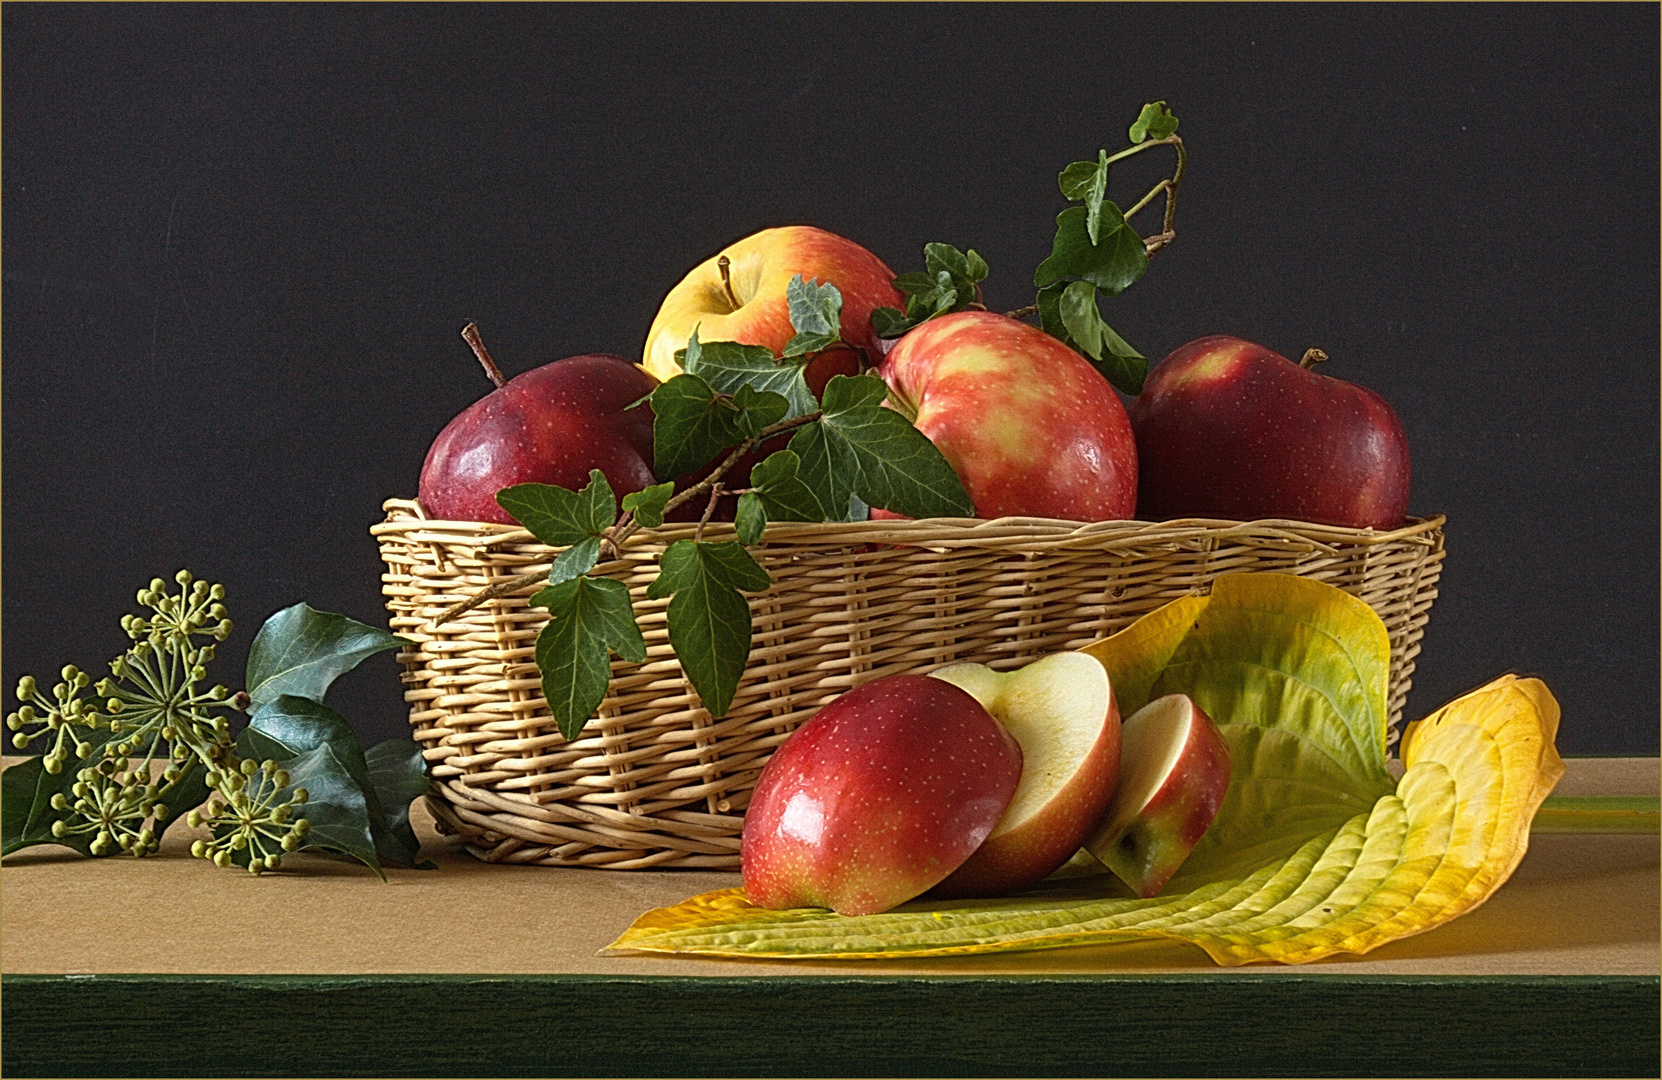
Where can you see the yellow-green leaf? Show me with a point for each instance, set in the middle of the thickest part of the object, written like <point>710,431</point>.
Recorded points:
<point>1315,851</point>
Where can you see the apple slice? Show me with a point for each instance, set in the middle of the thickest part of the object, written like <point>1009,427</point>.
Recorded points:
<point>1062,712</point>
<point>1174,770</point>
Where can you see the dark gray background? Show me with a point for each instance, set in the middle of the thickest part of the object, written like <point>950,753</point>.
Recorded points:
<point>239,242</point>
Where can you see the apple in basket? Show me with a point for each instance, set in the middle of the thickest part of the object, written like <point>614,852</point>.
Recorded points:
<point>1062,712</point>
<point>1031,428</point>
<point>878,797</point>
<point>1229,429</point>
<point>1174,772</point>
<point>551,425</point>
<point>739,295</point>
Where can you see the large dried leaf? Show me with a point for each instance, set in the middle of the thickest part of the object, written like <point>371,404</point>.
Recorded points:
<point>1315,851</point>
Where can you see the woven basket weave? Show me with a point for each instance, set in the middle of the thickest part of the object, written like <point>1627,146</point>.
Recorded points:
<point>654,781</point>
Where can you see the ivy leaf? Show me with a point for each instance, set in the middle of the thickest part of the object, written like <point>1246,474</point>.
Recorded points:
<point>557,516</point>
<point>814,308</point>
<point>808,344</point>
<point>947,285</point>
<point>750,521</point>
<point>26,814</point>
<point>1117,260</point>
<point>576,560</point>
<point>725,366</point>
<point>1119,362</point>
<point>862,448</point>
<point>398,776</point>
<point>757,409</point>
<point>1154,122</point>
<point>709,621</point>
<point>888,322</point>
<point>588,619</point>
<point>690,426</point>
<point>648,504</point>
<point>781,493</point>
<point>302,651</point>
<point>1078,179</point>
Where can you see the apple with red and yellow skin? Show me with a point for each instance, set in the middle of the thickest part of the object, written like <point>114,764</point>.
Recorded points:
<point>1061,710</point>
<point>1228,429</point>
<point>749,307</point>
<point>1174,772</point>
<point>879,796</point>
<point>1029,426</point>
<point>550,425</point>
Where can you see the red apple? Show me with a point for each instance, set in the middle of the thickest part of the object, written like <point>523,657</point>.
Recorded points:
<point>1062,712</point>
<point>1229,429</point>
<point>1174,770</point>
<point>1031,428</point>
<point>548,426</point>
<point>748,305</point>
<point>879,796</point>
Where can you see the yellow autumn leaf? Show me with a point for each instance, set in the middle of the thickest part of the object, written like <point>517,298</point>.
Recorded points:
<point>1315,851</point>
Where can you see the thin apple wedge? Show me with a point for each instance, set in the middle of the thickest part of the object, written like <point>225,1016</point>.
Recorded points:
<point>1062,712</point>
<point>1174,770</point>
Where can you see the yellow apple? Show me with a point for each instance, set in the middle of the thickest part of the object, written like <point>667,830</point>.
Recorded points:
<point>748,306</point>
<point>1061,710</point>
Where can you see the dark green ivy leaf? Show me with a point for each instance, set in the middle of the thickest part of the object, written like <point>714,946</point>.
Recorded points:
<point>691,425</point>
<point>725,366</point>
<point>648,504</point>
<point>558,516</point>
<point>888,322</point>
<point>302,651</point>
<point>750,521</point>
<point>781,493</point>
<point>398,776</point>
<point>1154,122</point>
<point>947,285</point>
<point>1117,260</point>
<point>1121,364</point>
<point>709,621</point>
<point>26,813</point>
<point>758,409</point>
<point>588,619</point>
<point>575,560</point>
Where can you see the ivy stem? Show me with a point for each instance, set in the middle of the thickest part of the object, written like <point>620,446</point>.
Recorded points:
<point>1169,185</point>
<point>623,530</point>
<point>709,509</point>
<point>470,334</point>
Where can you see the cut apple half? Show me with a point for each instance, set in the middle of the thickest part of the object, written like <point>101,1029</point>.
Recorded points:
<point>1062,712</point>
<point>1174,771</point>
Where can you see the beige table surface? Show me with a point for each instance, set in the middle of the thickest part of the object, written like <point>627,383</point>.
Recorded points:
<point>1578,905</point>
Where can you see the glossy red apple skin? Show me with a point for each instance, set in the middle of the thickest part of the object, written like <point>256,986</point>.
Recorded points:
<point>1147,850</point>
<point>760,267</point>
<point>1228,429</point>
<point>550,425</point>
<point>1030,427</point>
<point>879,796</point>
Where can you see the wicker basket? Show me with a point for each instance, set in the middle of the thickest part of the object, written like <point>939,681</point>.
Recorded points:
<point>654,781</point>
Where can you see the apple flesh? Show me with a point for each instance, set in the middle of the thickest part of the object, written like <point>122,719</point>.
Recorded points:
<point>1030,427</point>
<point>749,305</point>
<point>1062,712</point>
<point>879,796</point>
<point>1174,771</point>
<point>550,425</point>
<point>1229,429</point>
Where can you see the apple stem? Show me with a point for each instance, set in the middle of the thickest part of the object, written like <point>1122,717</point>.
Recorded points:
<point>1311,358</point>
<point>1022,312</point>
<point>725,265</point>
<point>470,334</point>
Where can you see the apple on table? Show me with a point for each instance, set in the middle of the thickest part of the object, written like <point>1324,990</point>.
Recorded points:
<point>1030,427</point>
<point>879,796</point>
<point>1229,429</point>
<point>551,425</point>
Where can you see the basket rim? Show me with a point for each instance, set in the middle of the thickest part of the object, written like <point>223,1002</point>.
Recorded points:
<point>403,515</point>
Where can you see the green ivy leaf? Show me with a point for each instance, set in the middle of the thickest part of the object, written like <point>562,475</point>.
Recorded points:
<point>302,651</point>
<point>691,425</point>
<point>814,308</point>
<point>576,560</point>
<point>757,409</point>
<point>26,814</point>
<point>864,449</point>
<point>1078,179</point>
<point>1119,362</point>
<point>1082,318</point>
<point>947,285</point>
<point>781,493</point>
<point>750,521</point>
<point>725,366</point>
<point>588,619</point>
<point>398,776</point>
<point>648,504</point>
<point>558,516</point>
<point>709,621</point>
<point>1114,262</point>
<point>1154,122</point>
<point>888,322</point>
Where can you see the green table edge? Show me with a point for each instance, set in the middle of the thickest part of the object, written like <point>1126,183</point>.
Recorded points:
<point>1239,1024</point>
